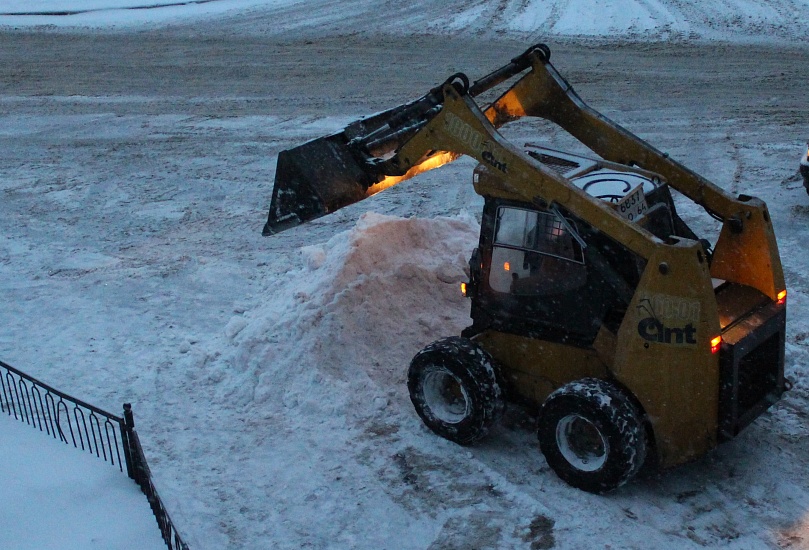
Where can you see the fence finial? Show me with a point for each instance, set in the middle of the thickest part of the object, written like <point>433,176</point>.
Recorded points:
<point>129,418</point>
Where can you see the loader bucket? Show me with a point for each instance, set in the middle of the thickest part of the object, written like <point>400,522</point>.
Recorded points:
<point>331,172</point>
<point>315,179</point>
<point>328,173</point>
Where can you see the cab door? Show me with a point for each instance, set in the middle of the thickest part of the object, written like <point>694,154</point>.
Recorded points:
<point>536,280</point>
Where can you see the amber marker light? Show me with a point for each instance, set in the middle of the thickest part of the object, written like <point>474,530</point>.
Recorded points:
<point>781,298</point>
<point>463,289</point>
<point>507,266</point>
<point>715,344</point>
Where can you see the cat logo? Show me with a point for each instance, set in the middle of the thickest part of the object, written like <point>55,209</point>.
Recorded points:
<point>668,320</point>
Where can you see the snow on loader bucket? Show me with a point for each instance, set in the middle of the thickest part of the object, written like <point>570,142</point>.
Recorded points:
<point>328,173</point>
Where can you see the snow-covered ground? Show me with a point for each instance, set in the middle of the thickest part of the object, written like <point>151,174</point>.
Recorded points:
<point>267,374</point>
<point>120,13</point>
<point>57,497</point>
<point>738,20</point>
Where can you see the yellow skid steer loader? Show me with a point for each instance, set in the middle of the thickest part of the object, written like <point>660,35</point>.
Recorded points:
<point>590,297</point>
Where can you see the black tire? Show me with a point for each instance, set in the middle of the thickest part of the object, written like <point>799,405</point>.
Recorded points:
<point>592,435</point>
<point>454,389</point>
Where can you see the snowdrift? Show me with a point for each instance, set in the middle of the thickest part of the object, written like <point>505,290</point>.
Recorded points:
<point>737,20</point>
<point>636,19</point>
<point>341,327</point>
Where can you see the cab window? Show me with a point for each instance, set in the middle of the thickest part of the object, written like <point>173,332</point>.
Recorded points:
<point>534,253</point>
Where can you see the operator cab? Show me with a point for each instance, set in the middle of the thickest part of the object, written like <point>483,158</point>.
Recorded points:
<point>543,272</point>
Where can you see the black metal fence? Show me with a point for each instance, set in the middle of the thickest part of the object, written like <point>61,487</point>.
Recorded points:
<point>62,417</point>
<point>87,428</point>
<point>138,469</point>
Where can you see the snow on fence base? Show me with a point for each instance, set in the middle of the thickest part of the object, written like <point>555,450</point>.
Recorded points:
<point>89,429</point>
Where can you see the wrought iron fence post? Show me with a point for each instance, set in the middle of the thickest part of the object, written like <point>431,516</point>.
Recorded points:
<point>140,469</point>
<point>127,427</point>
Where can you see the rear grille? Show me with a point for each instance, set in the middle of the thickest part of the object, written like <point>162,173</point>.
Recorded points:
<point>751,369</point>
<point>758,373</point>
<point>560,166</point>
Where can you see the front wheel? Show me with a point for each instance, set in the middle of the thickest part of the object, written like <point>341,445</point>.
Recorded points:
<point>592,435</point>
<point>454,389</point>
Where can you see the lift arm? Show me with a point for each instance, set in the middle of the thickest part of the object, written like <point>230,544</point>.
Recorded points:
<point>369,155</point>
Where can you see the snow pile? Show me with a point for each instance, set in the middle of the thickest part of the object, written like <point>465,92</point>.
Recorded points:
<point>635,18</point>
<point>309,388</point>
<point>348,311</point>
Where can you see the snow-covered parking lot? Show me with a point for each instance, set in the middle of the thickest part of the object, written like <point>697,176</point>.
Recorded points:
<point>268,374</point>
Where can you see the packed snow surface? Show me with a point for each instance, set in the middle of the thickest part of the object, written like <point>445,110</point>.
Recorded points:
<point>268,374</point>
<point>782,20</point>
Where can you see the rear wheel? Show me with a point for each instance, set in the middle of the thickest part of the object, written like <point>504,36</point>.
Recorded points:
<point>592,435</point>
<point>454,389</point>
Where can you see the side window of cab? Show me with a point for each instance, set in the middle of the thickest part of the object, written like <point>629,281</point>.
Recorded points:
<point>535,254</point>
